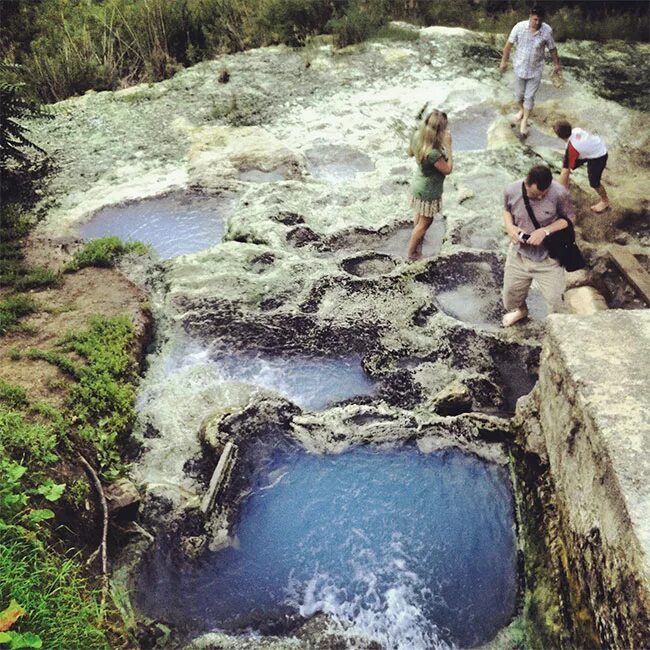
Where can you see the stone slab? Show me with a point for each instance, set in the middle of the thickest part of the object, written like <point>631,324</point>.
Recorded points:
<point>636,275</point>
<point>594,406</point>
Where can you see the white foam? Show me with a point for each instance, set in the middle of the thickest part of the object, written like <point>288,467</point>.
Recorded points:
<point>388,615</point>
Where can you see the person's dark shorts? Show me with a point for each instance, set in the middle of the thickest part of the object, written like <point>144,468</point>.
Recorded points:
<point>595,167</point>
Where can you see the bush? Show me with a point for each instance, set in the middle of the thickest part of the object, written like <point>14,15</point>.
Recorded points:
<point>293,21</point>
<point>362,19</point>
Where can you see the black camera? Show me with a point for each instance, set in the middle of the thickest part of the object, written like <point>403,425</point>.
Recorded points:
<point>523,236</point>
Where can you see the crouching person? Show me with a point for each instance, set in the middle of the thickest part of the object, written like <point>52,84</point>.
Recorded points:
<point>527,258</point>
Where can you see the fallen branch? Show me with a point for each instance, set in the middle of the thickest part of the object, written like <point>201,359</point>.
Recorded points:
<point>102,547</point>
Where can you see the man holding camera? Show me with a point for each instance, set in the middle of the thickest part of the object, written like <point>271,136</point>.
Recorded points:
<point>527,258</point>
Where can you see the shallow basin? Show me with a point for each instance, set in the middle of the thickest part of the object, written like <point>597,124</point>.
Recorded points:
<point>173,225</point>
<point>313,383</point>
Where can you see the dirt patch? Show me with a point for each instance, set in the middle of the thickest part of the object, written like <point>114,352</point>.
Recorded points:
<point>69,306</point>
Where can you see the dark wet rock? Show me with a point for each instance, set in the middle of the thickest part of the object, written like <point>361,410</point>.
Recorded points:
<point>150,431</point>
<point>269,304</point>
<point>636,224</point>
<point>400,389</point>
<point>302,236</point>
<point>369,265</point>
<point>209,319</point>
<point>200,468</point>
<point>157,508</point>
<point>255,420</point>
<point>615,288</point>
<point>262,263</point>
<point>152,635</point>
<point>421,316</point>
<point>121,495</point>
<point>288,218</point>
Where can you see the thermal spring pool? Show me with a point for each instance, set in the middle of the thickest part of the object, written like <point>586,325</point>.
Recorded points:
<point>415,551</point>
<point>313,383</point>
<point>172,225</point>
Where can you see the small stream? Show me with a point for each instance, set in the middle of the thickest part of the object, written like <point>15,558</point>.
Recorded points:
<point>313,383</point>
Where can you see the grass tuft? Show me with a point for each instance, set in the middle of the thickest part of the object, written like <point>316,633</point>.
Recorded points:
<point>12,309</point>
<point>103,252</point>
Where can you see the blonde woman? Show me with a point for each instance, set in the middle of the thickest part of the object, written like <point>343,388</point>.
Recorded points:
<point>431,146</point>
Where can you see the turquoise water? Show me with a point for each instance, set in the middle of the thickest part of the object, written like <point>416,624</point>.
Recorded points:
<point>413,550</point>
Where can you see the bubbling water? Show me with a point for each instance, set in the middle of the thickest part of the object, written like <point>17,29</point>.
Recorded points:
<point>414,551</point>
<point>313,383</point>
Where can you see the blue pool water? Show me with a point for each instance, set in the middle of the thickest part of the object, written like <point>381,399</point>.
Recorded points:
<point>173,225</point>
<point>413,550</point>
<point>313,383</point>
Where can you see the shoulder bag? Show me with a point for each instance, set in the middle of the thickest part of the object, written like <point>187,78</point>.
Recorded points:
<point>561,245</point>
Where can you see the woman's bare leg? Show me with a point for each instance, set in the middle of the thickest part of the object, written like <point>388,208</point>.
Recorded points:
<point>420,228</point>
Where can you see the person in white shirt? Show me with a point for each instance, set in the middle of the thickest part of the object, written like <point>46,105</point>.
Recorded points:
<point>583,147</point>
<point>531,37</point>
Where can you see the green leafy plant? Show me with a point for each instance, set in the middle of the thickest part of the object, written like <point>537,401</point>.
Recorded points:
<point>16,640</point>
<point>12,395</point>
<point>103,252</point>
<point>24,440</point>
<point>12,309</point>
<point>14,107</point>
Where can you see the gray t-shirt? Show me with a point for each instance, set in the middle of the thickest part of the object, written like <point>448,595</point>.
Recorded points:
<point>556,204</point>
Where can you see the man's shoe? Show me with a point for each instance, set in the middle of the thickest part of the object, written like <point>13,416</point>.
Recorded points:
<point>513,317</point>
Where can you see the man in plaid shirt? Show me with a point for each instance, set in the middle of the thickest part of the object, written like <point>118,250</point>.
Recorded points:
<point>531,37</point>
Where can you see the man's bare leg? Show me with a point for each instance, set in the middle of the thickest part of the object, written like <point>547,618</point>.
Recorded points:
<point>523,127</point>
<point>517,118</point>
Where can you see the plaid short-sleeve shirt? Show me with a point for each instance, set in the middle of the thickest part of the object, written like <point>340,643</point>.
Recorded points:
<point>529,56</point>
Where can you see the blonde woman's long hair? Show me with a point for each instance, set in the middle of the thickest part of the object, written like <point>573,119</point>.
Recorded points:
<point>429,135</point>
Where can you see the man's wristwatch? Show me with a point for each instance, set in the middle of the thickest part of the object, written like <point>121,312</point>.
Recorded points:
<point>547,232</point>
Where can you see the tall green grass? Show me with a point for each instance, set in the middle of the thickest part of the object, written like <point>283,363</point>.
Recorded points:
<point>61,607</point>
<point>76,46</point>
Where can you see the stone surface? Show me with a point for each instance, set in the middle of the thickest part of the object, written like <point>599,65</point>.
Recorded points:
<point>315,157</point>
<point>593,408</point>
<point>121,494</point>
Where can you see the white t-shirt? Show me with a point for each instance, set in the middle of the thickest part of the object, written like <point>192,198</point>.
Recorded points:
<point>587,145</point>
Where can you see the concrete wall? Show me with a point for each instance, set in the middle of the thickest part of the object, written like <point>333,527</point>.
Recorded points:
<point>589,418</point>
